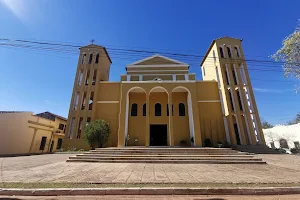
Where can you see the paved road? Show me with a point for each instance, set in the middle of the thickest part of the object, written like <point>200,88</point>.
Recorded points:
<point>53,168</point>
<point>181,197</point>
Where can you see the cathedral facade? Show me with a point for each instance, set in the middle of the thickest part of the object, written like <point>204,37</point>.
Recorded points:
<point>158,102</point>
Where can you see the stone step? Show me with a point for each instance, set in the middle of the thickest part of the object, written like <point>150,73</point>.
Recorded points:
<point>157,155</point>
<point>170,161</point>
<point>162,158</point>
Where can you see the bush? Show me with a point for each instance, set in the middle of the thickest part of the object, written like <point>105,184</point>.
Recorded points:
<point>207,143</point>
<point>183,142</point>
<point>295,150</point>
<point>281,150</point>
<point>96,133</point>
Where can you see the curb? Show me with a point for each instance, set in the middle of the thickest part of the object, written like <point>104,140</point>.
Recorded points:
<point>150,191</point>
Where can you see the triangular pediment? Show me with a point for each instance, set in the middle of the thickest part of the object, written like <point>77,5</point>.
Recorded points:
<point>158,60</point>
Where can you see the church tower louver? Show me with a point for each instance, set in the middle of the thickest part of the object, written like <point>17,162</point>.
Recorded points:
<point>225,63</point>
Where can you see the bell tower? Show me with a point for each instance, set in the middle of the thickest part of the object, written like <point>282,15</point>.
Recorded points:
<point>225,63</point>
<point>93,67</point>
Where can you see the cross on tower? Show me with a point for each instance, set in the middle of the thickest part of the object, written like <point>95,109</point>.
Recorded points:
<point>92,41</point>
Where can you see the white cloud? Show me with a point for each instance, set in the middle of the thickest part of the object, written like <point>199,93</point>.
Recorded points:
<point>265,90</point>
<point>18,7</point>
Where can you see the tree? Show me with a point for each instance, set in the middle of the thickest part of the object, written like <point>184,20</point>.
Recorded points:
<point>96,133</point>
<point>296,120</point>
<point>266,125</point>
<point>289,54</point>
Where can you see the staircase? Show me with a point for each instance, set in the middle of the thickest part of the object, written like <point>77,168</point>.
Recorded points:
<point>256,148</point>
<point>166,155</point>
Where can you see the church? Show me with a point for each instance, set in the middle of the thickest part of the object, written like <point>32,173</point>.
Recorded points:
<point>158,102</point>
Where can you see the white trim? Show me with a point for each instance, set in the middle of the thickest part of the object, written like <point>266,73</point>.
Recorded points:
<point>182,70</point>
<point>159,65</point>
<point>209,101</point>
<point>107,101</point>
<point>174,77</point>
<point>164,81</point>
<point>157,55</point>
<point>128,78</point>
<point>140,77</point>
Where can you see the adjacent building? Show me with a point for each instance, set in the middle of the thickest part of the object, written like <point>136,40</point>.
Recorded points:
<point>158,102</point>
<point>22,133</point>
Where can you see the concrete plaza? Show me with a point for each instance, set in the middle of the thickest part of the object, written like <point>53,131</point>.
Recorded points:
<point>54,168</point>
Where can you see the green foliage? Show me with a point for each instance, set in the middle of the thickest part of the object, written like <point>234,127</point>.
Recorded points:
<point>183,142</point>
<point>283,151</point>
<point>96,133</point>
<point>289,54</point>
<point>296,120</point>
<point>295,151</point>
<point>207,143</point>
<point>266,125</point>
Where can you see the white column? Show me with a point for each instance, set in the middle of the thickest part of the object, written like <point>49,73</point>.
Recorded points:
<point>174,77</point>
<point>191,118</point>
<point>126,117</point>
<point>128,77</point>
<point>140,77</point>
<point>186,77</point>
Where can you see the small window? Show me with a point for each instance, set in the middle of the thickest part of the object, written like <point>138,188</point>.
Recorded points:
<point>43,143</point>
<point>59,143</point>
<point>227,79</point>
<point>237,52</point>
<point>240,100</point>
<point>83,101</point>
<point>91,101</point>
<point>221,52</point>
<point>79,131</point>
<point>61,126</point>
<point>94,77</point>
<point>167,109</point>
<point>91,58</point>
<point>88,120</point>
<point>134,109</point>
<point>87,77</point>
<point>157,109</point>
<point>144,109</point>
<point>97,58</point>
<point>83,59</point>
<point>234,77</point>
<point>181,109</point>
<point>231,102</point>
<point>229,52</point>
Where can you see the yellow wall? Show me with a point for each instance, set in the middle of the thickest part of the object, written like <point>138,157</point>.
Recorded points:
<point>21,133</point>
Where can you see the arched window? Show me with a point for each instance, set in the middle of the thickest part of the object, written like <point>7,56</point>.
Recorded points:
<point>283,143</point>
<point>237,52</point>
<point>181,109</point>
<point>229,52</point>
<point>144,109</point>
<point>221,52</point>
<point>134,109</point>
<point>91,58</point>
<point>97,58</point>
<point>157,109</point>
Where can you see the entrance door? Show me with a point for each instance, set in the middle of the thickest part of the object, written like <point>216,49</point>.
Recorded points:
<point>158,135</point>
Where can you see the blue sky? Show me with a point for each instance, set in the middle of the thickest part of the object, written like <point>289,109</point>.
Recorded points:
<point>40,81</point>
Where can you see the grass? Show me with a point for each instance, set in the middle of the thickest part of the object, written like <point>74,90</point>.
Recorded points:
<point>133,185</point>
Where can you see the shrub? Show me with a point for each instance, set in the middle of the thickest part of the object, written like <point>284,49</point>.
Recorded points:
<point>207,142</point>
<point>295,150</point>
<point>281,150</point>
<point>96,133</point>
<point>183,142</point>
